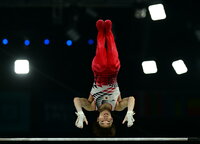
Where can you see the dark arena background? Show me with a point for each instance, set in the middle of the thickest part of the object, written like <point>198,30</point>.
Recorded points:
<point>58,38</point>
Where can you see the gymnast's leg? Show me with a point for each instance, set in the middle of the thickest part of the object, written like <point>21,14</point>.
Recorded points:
<point>99,62</point>
<point>112,53</point>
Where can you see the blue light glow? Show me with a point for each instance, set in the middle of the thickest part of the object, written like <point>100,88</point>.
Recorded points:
<point>90,41</point>
<point>46,41</point>
<point>5,41</point>
<point>68,42</point>
<point>26,42</point>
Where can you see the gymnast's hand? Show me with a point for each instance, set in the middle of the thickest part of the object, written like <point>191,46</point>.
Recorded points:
<point>129,118</point>
<point>81,118</point>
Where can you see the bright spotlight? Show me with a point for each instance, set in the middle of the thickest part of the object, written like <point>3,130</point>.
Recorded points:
<point>149,67</point>
<point>46,42</point>
<point>179,67</point>
<point>21,67</point>
<point>5,41</point>
<point>157,12</point>
<point>69,42</point>
<point>26,42</point>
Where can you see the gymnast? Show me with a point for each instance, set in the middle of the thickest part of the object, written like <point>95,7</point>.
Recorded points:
<point>105,94</point>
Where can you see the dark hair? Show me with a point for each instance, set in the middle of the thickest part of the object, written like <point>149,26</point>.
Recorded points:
<point>103,132</point>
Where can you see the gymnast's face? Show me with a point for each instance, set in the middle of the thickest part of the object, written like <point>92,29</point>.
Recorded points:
<point>105,119</point>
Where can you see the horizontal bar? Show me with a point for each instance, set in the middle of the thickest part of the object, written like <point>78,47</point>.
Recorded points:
<point>95,139</point>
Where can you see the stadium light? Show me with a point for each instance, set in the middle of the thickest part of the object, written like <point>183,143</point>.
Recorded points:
<point>69,42</point>
<point>46,42</point>
<point>27,42</point>
<point>5,41</point>
<point>179,67</point>
<point>21,66</point>
<point>157,12</point>
<point>90,41</point>
<point>149,67</point>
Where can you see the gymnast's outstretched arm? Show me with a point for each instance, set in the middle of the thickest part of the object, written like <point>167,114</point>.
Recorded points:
<point>129,103</point>
<point>87,104</point>
<point>80,103</point>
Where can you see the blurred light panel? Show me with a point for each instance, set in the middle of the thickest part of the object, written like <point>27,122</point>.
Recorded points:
<point>46,42</point>
<point>69,42</point>
<point>5,41</point>
<point>179,67</point>
<point>90,41</point>
<point>149,67</point>
<point>27,42</point>
<point>157,12</point>
<point>21,67</point>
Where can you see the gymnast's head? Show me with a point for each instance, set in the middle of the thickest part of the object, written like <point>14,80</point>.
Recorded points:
<point>104,126</point>
<point>105,119</point>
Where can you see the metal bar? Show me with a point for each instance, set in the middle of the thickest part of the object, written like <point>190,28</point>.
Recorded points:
<point>96,139</point>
